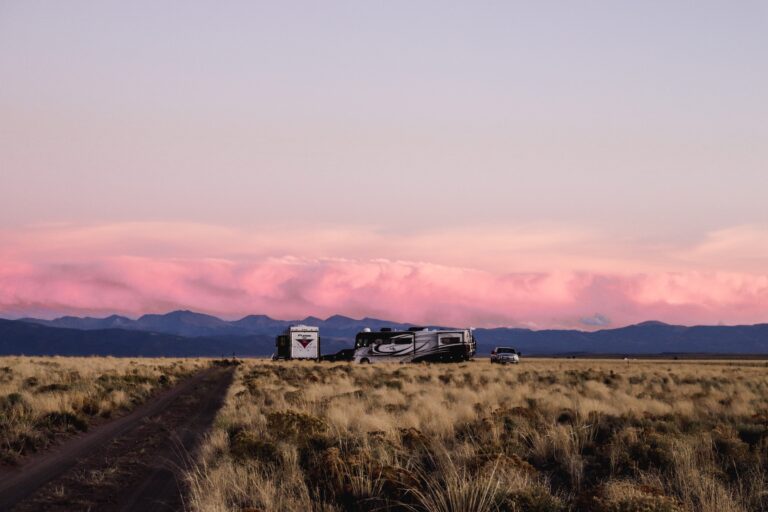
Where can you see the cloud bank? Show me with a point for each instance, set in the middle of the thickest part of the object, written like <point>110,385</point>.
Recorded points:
<point>133,269</point>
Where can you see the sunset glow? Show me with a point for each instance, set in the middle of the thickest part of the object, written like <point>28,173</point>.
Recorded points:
<point>500,164</point>
<point>134,268</point>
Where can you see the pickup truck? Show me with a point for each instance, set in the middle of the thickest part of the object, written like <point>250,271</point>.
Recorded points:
<point>505,355</point>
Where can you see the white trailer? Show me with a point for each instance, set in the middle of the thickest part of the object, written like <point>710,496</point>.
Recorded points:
<point>298,342</point>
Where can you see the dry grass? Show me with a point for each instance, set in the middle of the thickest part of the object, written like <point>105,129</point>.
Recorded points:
<point>548,435</point>
<point>42,398</point>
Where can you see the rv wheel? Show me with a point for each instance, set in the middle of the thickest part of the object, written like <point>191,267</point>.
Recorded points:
<point>365,361</point>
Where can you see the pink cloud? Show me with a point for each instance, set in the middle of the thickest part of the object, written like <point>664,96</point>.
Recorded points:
<point>417,292</point>
<point>133,269</point>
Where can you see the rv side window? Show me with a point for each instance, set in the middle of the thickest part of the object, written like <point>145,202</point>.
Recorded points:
<point>450,340</point>
<point>403,341</point>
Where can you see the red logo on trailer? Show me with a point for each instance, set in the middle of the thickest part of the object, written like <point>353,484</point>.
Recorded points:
<point>305,341</point>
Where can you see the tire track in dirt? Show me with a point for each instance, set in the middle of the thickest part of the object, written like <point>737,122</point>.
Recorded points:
<point>131,463</point>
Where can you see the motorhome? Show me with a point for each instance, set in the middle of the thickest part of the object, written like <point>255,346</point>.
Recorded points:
<point>415,345</point>
<point>298,342</point>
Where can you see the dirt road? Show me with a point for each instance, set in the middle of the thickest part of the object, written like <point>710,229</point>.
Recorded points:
<point>129,464</point>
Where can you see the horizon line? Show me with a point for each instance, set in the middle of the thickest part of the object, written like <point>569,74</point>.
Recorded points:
<point>312,317</point>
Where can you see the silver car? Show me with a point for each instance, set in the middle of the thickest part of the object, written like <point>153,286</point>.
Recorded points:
<point>505,355</point>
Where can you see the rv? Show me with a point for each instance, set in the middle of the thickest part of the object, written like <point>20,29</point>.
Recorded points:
<point>298,342</point>
<point>415,345</point>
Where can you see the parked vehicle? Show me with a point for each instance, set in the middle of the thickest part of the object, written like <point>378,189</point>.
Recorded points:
<point>415,345</point>
<point>346,354</point>
<point>505,355</point>
<point>298,342</point>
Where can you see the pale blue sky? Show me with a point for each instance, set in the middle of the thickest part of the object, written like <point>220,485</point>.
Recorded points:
<point>642,116</point>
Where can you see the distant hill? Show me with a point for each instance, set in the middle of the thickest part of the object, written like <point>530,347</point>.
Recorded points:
<point>180,323</point>
<point>188,333</point>
<point>23,338</point>
<point>189,323</point>
<point>644,338</point>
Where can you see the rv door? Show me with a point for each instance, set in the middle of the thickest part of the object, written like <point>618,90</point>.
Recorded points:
<point>283,347</point>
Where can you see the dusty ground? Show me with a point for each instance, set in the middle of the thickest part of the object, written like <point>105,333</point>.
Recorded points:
<point>130,463</point>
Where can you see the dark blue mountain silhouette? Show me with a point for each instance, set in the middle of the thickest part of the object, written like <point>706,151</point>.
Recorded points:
<point>189,333</point>
<point>24,338</point>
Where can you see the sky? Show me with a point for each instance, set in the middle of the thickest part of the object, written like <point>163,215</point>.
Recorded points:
<point>538,164</point>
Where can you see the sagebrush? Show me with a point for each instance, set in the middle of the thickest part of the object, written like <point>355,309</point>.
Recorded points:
<point>548,435</point>
<point>45,398</point>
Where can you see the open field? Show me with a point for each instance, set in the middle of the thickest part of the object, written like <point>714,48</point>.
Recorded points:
<point>133,462</point>
<point>547,435</point>
<point>44,399</point>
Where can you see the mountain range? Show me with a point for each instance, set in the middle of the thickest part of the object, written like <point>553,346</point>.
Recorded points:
<point>191,324</point>
<point>186,333</point>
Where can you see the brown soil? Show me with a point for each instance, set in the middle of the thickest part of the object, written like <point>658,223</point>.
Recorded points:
<point>131,463</point>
